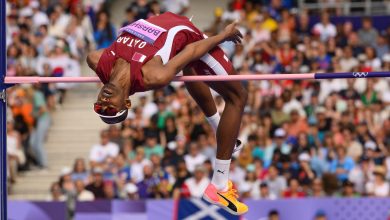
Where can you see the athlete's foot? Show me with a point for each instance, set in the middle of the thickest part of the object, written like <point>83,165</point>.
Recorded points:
<point>227,200</point>
<point>238,146</point>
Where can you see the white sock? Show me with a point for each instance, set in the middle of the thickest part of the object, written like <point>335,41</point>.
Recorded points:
<point>214,121</point>
<point>221,174</point>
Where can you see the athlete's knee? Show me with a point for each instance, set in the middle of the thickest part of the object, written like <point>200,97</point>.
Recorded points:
<point>237,96</point>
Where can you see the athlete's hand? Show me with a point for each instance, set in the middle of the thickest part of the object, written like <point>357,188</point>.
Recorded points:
<point>231,33</point>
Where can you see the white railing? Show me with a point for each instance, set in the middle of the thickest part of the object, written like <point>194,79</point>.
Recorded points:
<point>348,7</point>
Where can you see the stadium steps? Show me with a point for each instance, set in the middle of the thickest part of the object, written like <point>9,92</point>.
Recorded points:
<point>74,130</point>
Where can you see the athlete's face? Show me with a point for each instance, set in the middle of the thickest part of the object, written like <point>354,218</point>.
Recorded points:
<point>112,99</point>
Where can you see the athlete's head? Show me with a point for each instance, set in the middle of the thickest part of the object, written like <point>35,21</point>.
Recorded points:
<point>113,102</point>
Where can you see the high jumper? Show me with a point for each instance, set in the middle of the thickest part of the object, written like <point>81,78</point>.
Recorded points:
<point>147,55</point>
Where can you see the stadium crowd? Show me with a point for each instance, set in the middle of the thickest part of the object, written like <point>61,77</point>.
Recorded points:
<point>301,138</point>
<point>44,39</point>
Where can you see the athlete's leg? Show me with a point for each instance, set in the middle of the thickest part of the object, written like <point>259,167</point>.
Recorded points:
<point>235,97</point>
<point>200,92</point>
<point>220,192</point>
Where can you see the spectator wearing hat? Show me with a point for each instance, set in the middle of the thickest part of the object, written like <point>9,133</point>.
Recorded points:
<point>131,191</point>
<point>305,173</point>
<point>279,143</point>
<point>342,164</point>
<point>198,183</point>
<point>379,187</point>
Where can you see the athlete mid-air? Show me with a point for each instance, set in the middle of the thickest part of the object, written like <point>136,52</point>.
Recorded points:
<point>147,55</point>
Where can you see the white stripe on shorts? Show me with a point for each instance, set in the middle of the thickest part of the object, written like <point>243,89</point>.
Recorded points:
<point>165,51</point>
<point>214,64</point>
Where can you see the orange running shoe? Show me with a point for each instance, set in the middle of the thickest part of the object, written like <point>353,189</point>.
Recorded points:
<point>226,200</point>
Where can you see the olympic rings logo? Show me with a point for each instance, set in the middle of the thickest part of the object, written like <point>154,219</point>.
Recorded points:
<point>360,74</point>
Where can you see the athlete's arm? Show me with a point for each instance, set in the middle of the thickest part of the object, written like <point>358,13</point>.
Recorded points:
<point>93,58</point>
<point>156,74</point>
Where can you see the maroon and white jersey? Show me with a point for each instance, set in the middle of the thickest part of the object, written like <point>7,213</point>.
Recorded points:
<point>165,36</point>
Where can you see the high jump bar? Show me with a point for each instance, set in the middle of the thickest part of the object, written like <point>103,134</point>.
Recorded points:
<point>207,78</point>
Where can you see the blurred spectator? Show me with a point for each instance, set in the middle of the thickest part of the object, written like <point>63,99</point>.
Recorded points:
<point>349,189</point>
<point>15,154</point>
<point>194,158</point>
<point>342,164</point>
<point>273,215</point>
<point>105,32</point>
<point>97,185</point>
<point>131,191</point>
<point>265,193</point>
<point>80,171</point>
<point>56,194</point>
<point>293,191</point>
<point>148,186</point>
<point>367,34</point>
<point>198,183</point>
<point>82,193</point>
<point>317,188</point>
<point>325,29</point>
<point>378,186</point>
<point>140,8</point>
<point>320,215</point>
<point>176,6</point>
<point>42,124</point>
<point>277,184</point>
<point>101,152</point>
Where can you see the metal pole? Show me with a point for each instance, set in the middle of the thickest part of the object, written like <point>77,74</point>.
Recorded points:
<point>3,116</point>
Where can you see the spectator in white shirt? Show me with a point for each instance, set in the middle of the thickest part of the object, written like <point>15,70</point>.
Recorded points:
<point>101,152</point>
<point>231,14</point>
<point>82,193</point>
<point>347,61</point>
<point>277,184</point>
<point>137,167</point>
<point>379,187</point>
<point>176,6</point>
<point>194,158</point>
<point>198,183</point>
<point>325,29</point>
<point>265,193</point>
<point>39,18</point>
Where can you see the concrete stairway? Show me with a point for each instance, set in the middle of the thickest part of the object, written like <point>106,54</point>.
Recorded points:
<point>74,130</point>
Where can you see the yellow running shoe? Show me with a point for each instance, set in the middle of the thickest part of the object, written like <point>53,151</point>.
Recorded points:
<point>226,200</point>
